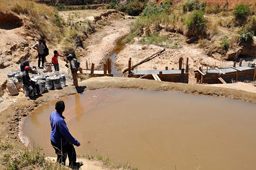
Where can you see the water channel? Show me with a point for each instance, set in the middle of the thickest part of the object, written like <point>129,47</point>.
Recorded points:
<point>155,130</point>
<point>119,47</point>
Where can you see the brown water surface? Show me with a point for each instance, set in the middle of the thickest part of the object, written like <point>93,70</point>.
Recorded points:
<point>155,130</point>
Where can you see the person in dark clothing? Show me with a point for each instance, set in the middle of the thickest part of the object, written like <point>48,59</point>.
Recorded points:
<point>23,65</point>
<point>61,139</point>
<point>28,82</point>
<point>46,49</point>
<point>73,68</point>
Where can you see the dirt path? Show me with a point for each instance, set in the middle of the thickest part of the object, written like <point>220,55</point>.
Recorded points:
<point>100,44</point>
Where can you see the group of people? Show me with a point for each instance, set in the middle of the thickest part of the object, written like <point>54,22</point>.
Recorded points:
<point>43,51</point>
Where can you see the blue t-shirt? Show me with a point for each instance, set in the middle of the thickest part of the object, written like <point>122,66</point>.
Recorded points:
<point>60,134</point>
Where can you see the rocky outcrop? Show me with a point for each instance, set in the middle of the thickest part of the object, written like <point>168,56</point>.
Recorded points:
<point>14,53</point>
<point>106,14</point>
<point>232,55</point>
<point>248,50</point>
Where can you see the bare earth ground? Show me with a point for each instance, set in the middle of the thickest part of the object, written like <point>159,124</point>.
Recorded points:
<point>98,47</point>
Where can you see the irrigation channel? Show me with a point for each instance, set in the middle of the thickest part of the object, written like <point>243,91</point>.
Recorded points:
<point>154,130</point>
<point>119,47</point>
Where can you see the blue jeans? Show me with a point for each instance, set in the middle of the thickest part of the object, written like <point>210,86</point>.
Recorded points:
<point>56,67</point>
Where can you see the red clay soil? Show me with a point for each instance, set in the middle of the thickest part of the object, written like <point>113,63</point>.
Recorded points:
<point>159,1</point>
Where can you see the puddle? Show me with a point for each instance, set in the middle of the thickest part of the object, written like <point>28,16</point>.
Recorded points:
<point>155,130</point>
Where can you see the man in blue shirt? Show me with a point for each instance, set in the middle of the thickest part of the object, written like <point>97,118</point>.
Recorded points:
<point>61,139</point>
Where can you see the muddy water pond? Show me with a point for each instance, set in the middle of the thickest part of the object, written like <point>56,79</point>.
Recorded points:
<point>155,130</point>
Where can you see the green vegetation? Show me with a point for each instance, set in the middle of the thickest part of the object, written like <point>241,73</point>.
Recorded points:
<point>241,11</point>
<point>44,18</point>
<point>133,8</point>
<point>16,158</point>
<point>154,9</point>
<point>160,40</point>
<point>196,20</point>
<point>5,146</point>
<point>224,43</point>
<point>246,36</point>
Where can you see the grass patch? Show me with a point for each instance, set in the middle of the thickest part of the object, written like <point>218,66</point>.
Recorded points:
<point>18,158</point>
<point>5,146</point>
<point>43,17</point>
<point>160,40</point>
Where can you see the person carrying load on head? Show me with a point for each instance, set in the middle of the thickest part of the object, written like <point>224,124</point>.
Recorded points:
<point>74,67</point>
<point>61,139</point>
<point>55,60</point>
<point>40,49</point>
<point>29,83</point>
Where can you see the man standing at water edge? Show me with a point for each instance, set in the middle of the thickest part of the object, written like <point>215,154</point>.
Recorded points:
<point>61,139</point>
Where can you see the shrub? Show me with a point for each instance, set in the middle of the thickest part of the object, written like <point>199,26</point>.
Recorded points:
<point>112,6</point>
<point>61,7</point>
<point>241,11</point>
<point>190,5</point>
<point>246,36</point>
<point>193,5</point>
<point>224,44</point>
<point>212,9</point>
<point>57,20</point>
<point>196,20</point>
<point>133,8</point>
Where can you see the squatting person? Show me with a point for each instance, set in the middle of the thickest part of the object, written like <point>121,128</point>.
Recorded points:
<point>30,84</point>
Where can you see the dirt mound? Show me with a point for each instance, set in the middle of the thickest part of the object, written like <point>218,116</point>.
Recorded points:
<point>10,21</point>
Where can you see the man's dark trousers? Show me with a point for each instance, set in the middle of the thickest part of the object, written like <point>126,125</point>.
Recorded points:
<point>41,57</point>
<point>63,151</point>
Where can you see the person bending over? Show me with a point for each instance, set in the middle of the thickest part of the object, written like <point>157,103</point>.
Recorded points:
<point>28,82</point>
<point>61,139</point>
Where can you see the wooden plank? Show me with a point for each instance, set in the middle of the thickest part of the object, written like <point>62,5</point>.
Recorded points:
<point>222,81</point>
<point>92,69</point>
<point>143,76</point>
<point>180,63</point>
<point>187,66</point>
<point>109,66</point>
<point>237,75</point>
<point>254,74</point>
<point>155,76</point>
<point>201,72</point>
<point>219,70</point>
<point>143,61</point>
<point>236,68</point>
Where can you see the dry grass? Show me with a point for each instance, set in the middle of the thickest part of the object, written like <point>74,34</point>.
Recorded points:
<point>43,17</point>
